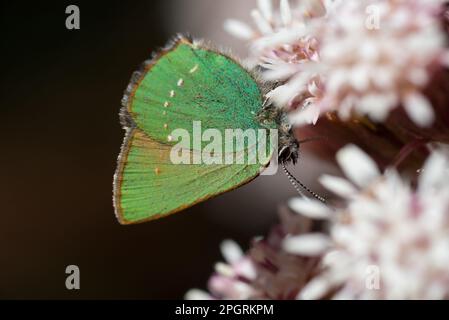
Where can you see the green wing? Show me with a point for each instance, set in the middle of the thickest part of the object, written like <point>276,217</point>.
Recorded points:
<point>185,83</point>
<point>189,83</point>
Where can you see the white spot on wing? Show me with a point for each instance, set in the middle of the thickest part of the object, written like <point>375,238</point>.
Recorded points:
<point>194,69</point>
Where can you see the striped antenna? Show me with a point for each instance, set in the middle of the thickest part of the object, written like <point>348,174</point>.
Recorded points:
<point>297,184</point>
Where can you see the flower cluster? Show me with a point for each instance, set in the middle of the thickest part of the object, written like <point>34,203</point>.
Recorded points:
<point>267,271</point>
<point>389,240</point>
<point>286,48</point>
<point>355,57</point>
<point>386,239</point>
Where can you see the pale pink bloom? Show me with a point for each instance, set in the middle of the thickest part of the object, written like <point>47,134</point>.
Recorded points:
<point>266,271</point>
<point>388,239</point>
<point>232,279</point>
<point>377,55</point>
<point>356,57</point>
<point>284,46</point>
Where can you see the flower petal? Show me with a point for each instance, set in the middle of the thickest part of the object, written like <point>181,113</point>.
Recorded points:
<point>286,13</point>
<point>337,185</point>
<point>224,269</point>
<point>238,29</point>
<point>357,165</point>
<point>310,208</point>
<point>315,289</point>
<point>231,251</point>
<point>197,294</point>
<point>266,8</point>
<point>312,244</point>
<point>246,268</point>
<point>435,172</point>
<point>419,109</point>
<point>261,23</point>
<point>309,115</point>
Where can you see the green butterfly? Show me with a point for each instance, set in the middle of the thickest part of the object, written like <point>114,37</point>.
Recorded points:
<point>186,82</point>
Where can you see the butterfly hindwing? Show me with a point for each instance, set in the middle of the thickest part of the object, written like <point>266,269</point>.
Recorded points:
<point>185,83</point>
<point>150,186</point>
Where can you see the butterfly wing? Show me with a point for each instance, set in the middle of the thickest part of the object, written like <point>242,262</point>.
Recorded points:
<point>149,186</point>
<point>185,83</point>
<point>188,82</point>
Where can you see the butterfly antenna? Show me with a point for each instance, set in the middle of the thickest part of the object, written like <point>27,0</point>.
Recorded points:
<point>311,139</point>
<point>297,184</point>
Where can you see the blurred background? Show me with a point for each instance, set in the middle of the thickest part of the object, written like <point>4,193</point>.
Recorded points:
<point>60,137</point>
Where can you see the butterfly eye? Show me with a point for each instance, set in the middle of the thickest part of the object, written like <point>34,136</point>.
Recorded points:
<point>286,127</point>
<point>284,153</point>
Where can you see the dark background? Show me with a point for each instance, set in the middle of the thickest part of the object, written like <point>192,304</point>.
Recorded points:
<point>60,137</point>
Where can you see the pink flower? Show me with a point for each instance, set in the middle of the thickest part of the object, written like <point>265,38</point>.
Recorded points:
<point>284,46</point>
<point>267,271</point>
<point>355,57</point>
<point>387,239</point>
<point>377,55</point>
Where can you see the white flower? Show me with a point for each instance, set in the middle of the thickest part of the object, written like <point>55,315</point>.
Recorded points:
<point>377,55</point>
<point>266,271</point>
<point>284,46</point>
<point>311,244</point>
<point>389,240</point>
<point>363,57</point>
<point>197,294</point>
<point>232,280</point>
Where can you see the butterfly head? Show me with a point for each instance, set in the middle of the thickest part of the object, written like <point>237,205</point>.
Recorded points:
<point>288,149</point>
<point>288,145</point>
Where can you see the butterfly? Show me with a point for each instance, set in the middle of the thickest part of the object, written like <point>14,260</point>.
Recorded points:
<point>188,81</point>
